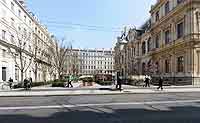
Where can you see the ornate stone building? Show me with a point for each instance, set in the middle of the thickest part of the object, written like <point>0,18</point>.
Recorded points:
<point>168,43</point>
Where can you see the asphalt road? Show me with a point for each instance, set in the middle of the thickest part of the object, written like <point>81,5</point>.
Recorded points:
<point>131,108</point>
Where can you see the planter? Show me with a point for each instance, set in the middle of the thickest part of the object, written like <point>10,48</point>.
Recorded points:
<point>90,83</point>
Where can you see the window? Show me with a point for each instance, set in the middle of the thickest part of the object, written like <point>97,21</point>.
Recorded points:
<point>167,8</point>
<point>4,73</point>
<point>143,68</point>
<point>12,38</point>
<point>16,73</point>
<point>4,13</point>
<point>30,22</point>
<point>180,30</point>
<point>24,18</point>
<point>149,45</point>
<point>35,29</point>
<point>180,64</point>
<point>19,13</point>
<point>180,1</point>
<point>12,6</point>
<point>143,48</point>
<point>167,36</point>
<point>157,41</point>
<point>167,66</point>
<point>3,34</point>
<point>12,22</point>
<point>19,28</point>
<point>4,53</point>
<point>157,16</point>
<point>25,32</point>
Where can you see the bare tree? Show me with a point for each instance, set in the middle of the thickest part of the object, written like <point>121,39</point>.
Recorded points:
<point>39,55</point>
<point>20,49</point>
<point>58,51</point>
<point>74,63</point>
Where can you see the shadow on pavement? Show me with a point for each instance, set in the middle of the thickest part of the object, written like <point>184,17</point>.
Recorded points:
<point>183,114</point>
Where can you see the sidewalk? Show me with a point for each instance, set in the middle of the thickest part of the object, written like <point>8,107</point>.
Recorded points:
<point>108,91</point>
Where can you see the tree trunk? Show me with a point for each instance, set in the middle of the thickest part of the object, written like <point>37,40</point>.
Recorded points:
<point>36,69</point>
<point>22,76</point>
<point>59,76</point>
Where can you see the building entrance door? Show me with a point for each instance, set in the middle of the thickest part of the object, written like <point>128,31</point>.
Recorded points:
<point>4,73</point>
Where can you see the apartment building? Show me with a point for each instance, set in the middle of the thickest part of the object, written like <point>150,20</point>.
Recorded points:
<point>90,61</point>
<point>166,45</point>
<point>20,30</point>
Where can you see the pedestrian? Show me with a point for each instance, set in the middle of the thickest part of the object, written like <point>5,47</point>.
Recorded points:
<point>10,82</point>
<point>147,82</point>
<point>25,83</point>
<point>160,83</point>
<point>70,81</point>
<point>119,84</point>
<point>31,81</point>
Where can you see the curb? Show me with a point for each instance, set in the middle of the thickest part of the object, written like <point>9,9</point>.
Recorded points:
<point>97,94</point>
<point>106,88</point>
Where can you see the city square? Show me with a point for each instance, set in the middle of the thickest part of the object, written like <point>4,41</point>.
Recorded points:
<point>100,61</point>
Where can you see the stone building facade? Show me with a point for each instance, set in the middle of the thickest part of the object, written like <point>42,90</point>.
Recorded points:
<point>17,23</point>
<point>168,44</point>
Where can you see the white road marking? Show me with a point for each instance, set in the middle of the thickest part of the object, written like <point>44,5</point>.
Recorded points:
<point>102,104</point>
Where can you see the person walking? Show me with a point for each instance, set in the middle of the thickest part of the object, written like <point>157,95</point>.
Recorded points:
<point>10,82</point>
<point>26,84</point>
<point>160,83</point>
<point>119,84</point>
<point>147,82</point>
<point>70,81</point>
<point>31,81</point>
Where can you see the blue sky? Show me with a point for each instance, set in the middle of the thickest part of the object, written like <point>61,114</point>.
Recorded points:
<point>90,23</point>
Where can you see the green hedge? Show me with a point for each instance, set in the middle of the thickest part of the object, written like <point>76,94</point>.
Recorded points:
<point>34,84</point>
<point>55,83</point>
<point>19,85</point>
<point>57,80</point>
<point>58,84</point>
